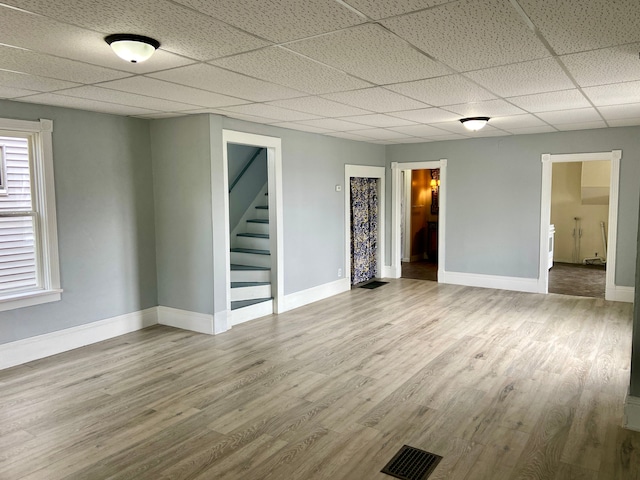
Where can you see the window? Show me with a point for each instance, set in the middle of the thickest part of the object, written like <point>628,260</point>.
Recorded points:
<point>29,269</point>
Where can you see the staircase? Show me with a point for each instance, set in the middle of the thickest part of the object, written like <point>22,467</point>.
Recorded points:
<point>251,265</point>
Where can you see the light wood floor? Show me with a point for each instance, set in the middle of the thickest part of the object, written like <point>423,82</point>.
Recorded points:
<point>503,385</point>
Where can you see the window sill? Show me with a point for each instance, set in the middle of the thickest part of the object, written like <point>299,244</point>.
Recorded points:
<point>27,299</point>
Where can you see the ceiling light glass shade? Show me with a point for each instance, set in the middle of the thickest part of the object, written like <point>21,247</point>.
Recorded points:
<point>132,48</point>
<point>474,123</point>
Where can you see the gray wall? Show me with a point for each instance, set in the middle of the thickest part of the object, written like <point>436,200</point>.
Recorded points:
<point>105,212</point>
<point>493,197</point>
<point>182,187</point>
<point>313,222</point>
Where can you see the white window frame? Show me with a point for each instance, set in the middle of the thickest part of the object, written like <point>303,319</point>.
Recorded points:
<point>3,171</point>
<point>44,204</point>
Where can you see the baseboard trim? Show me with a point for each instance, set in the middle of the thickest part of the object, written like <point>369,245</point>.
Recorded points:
<point>621,294</point>
<point>516,284</point>
<point>186,320</point>
<point>631,420</point>
<point>390,272</point>
<point>241,315</point>
<point>314,294</point>
<point>41,346</point>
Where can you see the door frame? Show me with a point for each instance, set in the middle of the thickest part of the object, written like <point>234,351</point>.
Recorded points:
<point>273,145</point>
<point>364,171</point>
<point>396,193</point>
<point>548,160</point>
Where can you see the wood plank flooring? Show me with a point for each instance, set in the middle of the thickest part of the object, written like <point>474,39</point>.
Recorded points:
<point>503,385</point>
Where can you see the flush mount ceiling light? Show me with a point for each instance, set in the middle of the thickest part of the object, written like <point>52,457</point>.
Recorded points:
<point>474,123</point>
<point>132,48</point>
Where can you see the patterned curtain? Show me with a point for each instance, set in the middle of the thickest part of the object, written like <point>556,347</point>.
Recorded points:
<point>364,229</point>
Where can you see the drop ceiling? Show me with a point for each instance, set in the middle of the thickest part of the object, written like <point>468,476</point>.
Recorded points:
<point>395,71</point>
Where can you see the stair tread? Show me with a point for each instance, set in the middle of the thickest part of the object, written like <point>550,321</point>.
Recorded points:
<point>237,267</point>
<point>253,235</point>
<point>251,250</point>
<point>248,284</point>
<point>248,303</point>
<point>258,220</point>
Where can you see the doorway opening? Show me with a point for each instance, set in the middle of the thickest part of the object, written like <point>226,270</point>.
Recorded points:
<point>418,214</point>
<point>579,224</point>
<point>253,218</point>
<point>364,223</point>
<point>419,224</point>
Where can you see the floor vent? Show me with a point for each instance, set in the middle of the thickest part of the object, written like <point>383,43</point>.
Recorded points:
<point>373,284</point>
<point>412,464</point>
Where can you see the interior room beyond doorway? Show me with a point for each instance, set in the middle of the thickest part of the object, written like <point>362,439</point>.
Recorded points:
<point>420,226</point>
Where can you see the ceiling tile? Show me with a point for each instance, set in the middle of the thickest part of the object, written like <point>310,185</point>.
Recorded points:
<point>213,79</point>
<point>409,140</point>
<point>269,111</point>
<point>523,78</point>
<point>624,122</point>
<point>292,70</point>
<point>470,34</point>
<point>615,94</point>
<point>578,115</point>
<point>12,92</point>
<point>622,65</point>
<point>26,61</point>
<point>516,121</point>
<point>170,91</point>
<point>427,115</point>
<point>388,8</point>
<point>358,51</point>
<point>546,102</point>
<point>380,134</point>
<point>576,25</point>
<point>581,126</point>
<point>235,115</point>
<point>349,136</point>
<point>34,32</point>
<point>451,136</point>
<point>161,115</point>
<point>616,112</point>
<point>280,20</point>
<point>531,130</point>
<point>318,106</point>
<point>32,82</point>
<point>443,90</point>
<point>375,99</point>
<point>333,124</point>
<point>303,128</point>
<point>420,130</point>
<point>84,104</point>
<point>489,133</point>
<point>490,108</point>
<point>179,29</point>
<point>125,98</point>
<point>378,120</point>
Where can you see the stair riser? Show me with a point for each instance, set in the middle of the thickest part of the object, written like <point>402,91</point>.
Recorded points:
<point>250,275</point>
<point>257,227</point>
<point>250,259</point>
<point>249,293</point>
<point>251,242</point>
<point>262,214</point>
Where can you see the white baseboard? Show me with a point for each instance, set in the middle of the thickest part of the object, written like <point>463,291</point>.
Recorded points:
<point>621,294</point>
<point>41,346</point>
<point>305,297</point>
<point>631,420</point>
<point>186,320</point>
<point>516,284</point>
<point>262,309</point>
<point>390,272</point>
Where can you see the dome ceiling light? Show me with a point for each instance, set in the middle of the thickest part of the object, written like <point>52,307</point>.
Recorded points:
<point>474,123</point>
<point>132,48</point>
